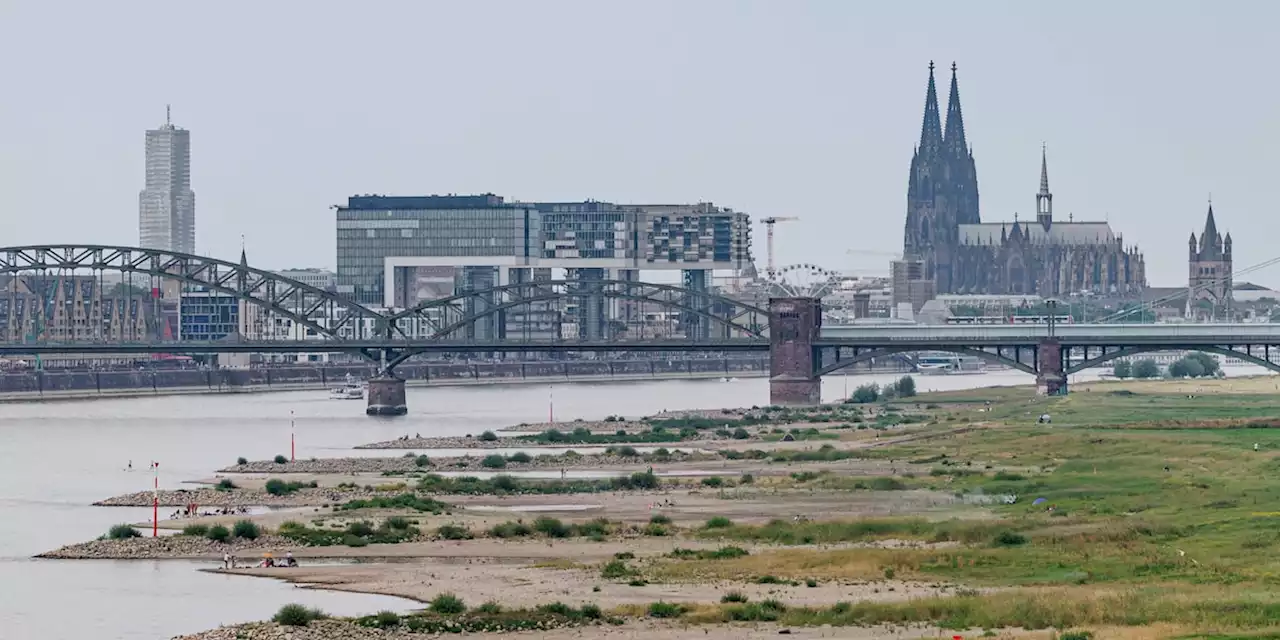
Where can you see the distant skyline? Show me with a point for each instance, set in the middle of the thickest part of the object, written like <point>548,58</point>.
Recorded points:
<point>167,205</point>
<point>805,109</point>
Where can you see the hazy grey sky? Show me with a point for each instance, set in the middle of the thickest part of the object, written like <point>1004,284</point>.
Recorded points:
<point>773,108</point>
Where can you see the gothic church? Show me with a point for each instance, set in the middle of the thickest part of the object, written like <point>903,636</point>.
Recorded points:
<point>964,255</point>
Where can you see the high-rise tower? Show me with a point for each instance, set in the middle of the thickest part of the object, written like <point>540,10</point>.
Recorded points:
<point>166,205</point>
<point>942,191</point>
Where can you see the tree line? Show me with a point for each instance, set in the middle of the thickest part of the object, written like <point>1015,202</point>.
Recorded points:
<point>1192,365</point>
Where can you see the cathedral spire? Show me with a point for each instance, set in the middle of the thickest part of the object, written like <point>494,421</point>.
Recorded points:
<point>954,140</point>
<point>1210,241</point>
<point>931,128</point>
<point>1044,199</point>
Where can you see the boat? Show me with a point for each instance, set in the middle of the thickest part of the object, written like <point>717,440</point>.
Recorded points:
<point>351,390</point>
<point>936,364</point>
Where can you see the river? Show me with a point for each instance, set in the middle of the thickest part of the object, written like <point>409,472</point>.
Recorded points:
<point>58,457</point>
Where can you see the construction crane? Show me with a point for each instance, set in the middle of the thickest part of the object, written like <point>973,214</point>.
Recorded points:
<point>768,225</point>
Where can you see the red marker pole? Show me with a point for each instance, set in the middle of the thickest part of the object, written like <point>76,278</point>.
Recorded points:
<point>551,405</point>
<point>292,440</point>
<point>155,501</point>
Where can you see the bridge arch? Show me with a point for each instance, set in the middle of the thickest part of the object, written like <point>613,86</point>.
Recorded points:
<point>964,351</point>
<point>302,303</point>
<point>1227,352</point>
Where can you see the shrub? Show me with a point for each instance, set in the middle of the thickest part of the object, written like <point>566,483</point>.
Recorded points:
<point>387,619</point>
<point>615,569</point>
<point>196,530</point>
<point>713,481</point>
<point>397,522</point>
<point>296,615</point>
<point>1009,539</point>
<point>1123,369</point>
<point>494,461</point>
<point>627,452</point>
<point>489,436</point>
<point>225,484</point>
<point>490,608</point>
<point>747,479</point>
<point>768,580</point>
<point>246,529</point>
<point>905,386</point>
<point>242,460</point>
<point>122,532</point>
<point>662,609</point>
<point>889,573</point>
<point>551,527</point>
<point>655,530</point>
<point>733,596</point>
<point>810,583</point>
<point>454,532</point>
<point>360,528</point>
<point>510,530</point>
<point>278,487</point>
<point>448,604</point>
<point>659,519</point>
<point>279,459</point>
<point>719,522</point>
<point>218,533</point>
<point>1146,368</point>
<point>624,555</point>
<point>590,612</point>
<point>644,480</point>
<point>354,541</point>
<point>866,393</point>
<point>739,434</point>
<point>1076,635</point>
<point>521,457</point>
<point>422,461</point>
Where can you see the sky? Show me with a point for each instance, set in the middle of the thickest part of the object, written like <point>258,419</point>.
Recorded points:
<point>806,109</point>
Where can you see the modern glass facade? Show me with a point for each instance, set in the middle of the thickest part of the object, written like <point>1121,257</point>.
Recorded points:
<point>207,316</point>
<point>569,235</point>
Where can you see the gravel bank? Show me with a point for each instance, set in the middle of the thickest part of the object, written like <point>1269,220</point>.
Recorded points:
<point>404,464</point>
<point>170,547</point>
<point>240,498</point>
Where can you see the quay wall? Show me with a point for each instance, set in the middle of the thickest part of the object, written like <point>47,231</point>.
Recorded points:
<point>55,384</point>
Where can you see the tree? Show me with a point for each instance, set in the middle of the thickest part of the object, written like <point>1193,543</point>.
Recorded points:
<point>1123,369</point>
<point>1192,367</point>
<point>1207,362</point>
<point>906,387</point>
<point>866,393</point>
<point>1179,369</point>
<point>1146,368</point>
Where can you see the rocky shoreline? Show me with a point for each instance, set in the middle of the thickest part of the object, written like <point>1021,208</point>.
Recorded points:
<point>171,547</point>
<point>408,464</point>
<point>209,497</point>
<point>318,630</point>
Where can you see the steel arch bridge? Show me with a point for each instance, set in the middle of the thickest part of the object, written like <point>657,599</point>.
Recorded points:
<point>44,286</point>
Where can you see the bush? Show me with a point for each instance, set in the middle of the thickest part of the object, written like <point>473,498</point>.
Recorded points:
<point>242,460</point>
<point>719,522</point>
<point>1009,539</point>
<point>655,530</point>
<point>906,387</point>
<point>590,612</point>
<point>246,529</point>
<point>387,619</point>
<point>489,436</point>
<point>628,452</point>
<point>1123,369</point>
<point>866,393</point>
<point>733,596</point>
<point>520,457</point>
<point>713,481</point>
<point>360,528</point>
<point>551,527</point>
<point>279,459</point>
<point>218,533</point>
<point>747,479</point>
<point>489,608</point>
<point>644,480</point>
<point>399,523</point>
<point>494,461</point>
<point>659,519</point>
<point>448,604</point>
<point>662,609</point>
<point>454,532</point>
<point>511,530</point>
<point>1146,368</point>
<point>615,569</point>
<point>195,530</point>
<point>225,484</point>
<point>296,615</point>
<point>422,461</point>
<point>122,532</point>
<point>354,541</point>
<point>810,583</point>
<point>278,487</point>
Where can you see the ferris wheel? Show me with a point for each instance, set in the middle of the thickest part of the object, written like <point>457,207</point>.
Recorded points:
<point>803,281</point>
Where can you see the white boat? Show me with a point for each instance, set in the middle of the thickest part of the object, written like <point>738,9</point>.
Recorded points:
<point>936,364</point>
<point>352,390</point>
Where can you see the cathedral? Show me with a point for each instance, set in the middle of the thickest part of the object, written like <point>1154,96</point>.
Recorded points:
<point>964,255</point>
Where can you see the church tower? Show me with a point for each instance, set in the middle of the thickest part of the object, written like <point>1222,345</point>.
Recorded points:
<point>942,188</point>
<point>1044,199</point>
<point>1209,272</point>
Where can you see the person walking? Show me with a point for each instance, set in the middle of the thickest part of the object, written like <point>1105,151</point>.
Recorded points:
<point>226,561</point>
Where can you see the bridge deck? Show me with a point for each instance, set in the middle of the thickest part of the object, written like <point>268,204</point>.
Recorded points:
<point>1068,334</point>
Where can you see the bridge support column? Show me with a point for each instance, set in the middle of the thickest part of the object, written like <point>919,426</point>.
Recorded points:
<point>794,325</point>
<point>386,396</point>
<point>1050,379</point>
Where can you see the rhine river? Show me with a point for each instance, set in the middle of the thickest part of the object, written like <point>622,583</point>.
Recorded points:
<point>58,457</point>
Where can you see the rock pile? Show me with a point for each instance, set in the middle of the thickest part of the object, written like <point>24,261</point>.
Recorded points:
<point>469,463</point>
<point>171,547</point>
<point>318,630</point>
<point>209,497</point>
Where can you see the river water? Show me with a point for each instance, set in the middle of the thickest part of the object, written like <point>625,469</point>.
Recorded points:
<point>58,457</point>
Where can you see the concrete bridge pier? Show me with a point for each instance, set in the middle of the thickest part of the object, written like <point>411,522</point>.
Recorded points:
<point>385,394</point>
<point>794,325</point>
<point>1050,379</point>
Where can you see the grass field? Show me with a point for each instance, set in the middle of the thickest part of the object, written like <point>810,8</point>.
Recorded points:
<point>1138,505</point>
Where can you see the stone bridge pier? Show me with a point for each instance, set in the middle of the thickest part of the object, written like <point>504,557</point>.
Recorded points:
<point>385,394</point>
<point>794,325</point>
<point>1050,378</point>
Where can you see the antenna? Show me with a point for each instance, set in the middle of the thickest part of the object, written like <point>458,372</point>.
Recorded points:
<point>168,121</point>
